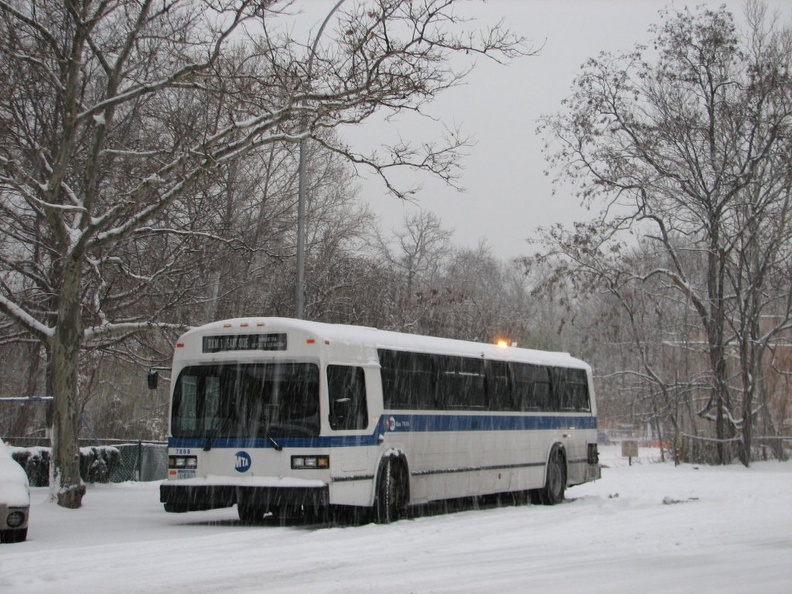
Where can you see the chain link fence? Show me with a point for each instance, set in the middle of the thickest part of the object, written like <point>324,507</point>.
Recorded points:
<point>141,461</point>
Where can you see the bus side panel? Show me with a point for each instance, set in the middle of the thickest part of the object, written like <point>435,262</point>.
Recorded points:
<point>354,473</point>
<point>452,464</point>
<point>447,465</point>
<point>353,491</point>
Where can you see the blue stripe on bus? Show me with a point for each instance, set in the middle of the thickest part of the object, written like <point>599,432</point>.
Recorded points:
<point>398,423</point>
<point>421,423</point>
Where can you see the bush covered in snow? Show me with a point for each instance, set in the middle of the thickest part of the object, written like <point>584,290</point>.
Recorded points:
<point>35,461</point>
<point>97,464</point>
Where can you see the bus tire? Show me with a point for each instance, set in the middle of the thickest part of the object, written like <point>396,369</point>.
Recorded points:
<point>555,482</point>
<point>390,499</point>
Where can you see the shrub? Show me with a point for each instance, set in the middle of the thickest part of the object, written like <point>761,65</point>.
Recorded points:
<point>97,464</point>
<point>35,461</point>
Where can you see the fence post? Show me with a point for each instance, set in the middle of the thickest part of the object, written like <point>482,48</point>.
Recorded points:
<point>139,461</point>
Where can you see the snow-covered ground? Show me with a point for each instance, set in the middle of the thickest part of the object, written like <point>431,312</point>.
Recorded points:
<point>649,527</point>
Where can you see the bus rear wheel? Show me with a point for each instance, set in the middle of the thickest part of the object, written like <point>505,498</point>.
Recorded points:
<point>555,483</point>
<point>391,493</point>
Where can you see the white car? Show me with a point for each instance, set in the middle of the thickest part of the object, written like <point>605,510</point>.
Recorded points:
<point>14,498</point>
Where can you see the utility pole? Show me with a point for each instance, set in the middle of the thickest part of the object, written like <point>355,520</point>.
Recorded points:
<point>301,197</point>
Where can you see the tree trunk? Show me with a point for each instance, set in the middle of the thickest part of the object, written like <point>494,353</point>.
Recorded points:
<point>715,325</point>
<point>753,385</point>
<point>65,484</point>
<point>721,403</point>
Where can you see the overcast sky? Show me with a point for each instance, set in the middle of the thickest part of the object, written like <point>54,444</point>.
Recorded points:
<point>507,194</point>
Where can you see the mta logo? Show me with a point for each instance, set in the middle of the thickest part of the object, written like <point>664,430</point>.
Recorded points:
<point>243,461</point>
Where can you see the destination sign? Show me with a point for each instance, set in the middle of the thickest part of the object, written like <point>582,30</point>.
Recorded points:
<point>245,342</point>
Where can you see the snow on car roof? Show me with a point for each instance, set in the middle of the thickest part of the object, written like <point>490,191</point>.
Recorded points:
<point>13,480</point>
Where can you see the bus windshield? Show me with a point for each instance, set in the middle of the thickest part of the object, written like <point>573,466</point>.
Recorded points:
<point>263,400</point>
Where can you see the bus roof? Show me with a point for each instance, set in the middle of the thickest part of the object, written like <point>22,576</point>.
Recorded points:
<point>385,339</point>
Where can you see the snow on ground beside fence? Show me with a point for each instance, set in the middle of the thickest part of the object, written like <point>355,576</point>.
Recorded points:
<point>649,527</point>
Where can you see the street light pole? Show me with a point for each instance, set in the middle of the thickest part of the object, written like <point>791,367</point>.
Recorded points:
<point>301,198</point>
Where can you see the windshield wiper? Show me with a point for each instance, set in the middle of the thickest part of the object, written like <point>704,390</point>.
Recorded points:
<point>278,447</point>
<point>213,433</point>
<point>210,438</point>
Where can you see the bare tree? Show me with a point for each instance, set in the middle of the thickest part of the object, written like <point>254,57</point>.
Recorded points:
<point>115,113</point>
<point>477,307</point>
<point>416,253</point>
<point>681,148</point>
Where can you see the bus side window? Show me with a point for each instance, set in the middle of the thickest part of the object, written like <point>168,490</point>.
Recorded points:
<point>499,394</point>
<point>522,386</point>
<point>347,392</point>
<point>540,394</point>
<point>582,396</point>
<point>532,383</point>
<point>460,383</point>
<point>570,387</point>
<point>409,380</point>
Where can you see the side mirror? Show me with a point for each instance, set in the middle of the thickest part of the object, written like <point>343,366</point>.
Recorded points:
<point>153,380</point>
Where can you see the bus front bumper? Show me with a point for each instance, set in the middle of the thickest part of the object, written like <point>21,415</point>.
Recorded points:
<point>280,498</point>
<point>179,498</point>
<point>263,493</point>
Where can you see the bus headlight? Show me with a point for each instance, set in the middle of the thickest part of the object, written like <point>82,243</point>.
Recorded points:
<point>310,462</point>
<point>183,462</point>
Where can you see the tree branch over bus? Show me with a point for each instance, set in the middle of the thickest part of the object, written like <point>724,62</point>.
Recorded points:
<point>118,116</point>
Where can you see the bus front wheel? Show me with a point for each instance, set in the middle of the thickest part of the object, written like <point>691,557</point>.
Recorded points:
<point>391,493</point>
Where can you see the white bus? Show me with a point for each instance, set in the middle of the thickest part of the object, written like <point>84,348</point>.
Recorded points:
<point>275,414</point>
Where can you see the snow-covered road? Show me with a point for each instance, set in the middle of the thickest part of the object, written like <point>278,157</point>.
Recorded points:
<point>648,527</point>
